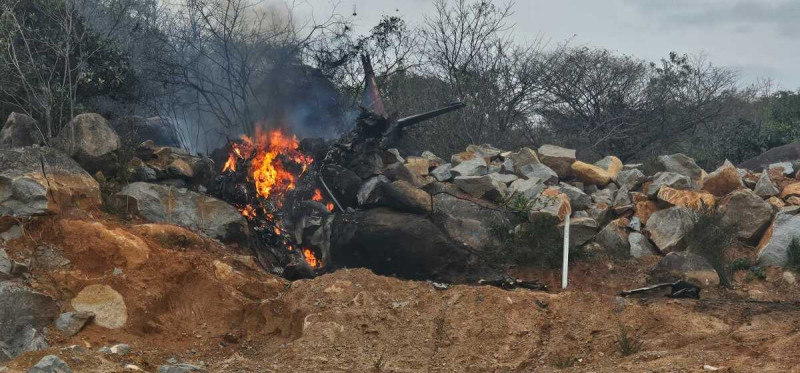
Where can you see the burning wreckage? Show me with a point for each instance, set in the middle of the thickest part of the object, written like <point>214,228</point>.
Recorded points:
<point>314,206</point>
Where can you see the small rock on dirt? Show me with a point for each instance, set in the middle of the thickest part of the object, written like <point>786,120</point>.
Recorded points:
<point>70,323</point>
<point>50,364</point>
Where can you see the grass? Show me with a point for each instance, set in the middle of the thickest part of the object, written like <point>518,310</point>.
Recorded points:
<point>740,264</point>
<point>793,253</point>
<point>627,343</point>
<point>564,360</point>
<point>710,238</point>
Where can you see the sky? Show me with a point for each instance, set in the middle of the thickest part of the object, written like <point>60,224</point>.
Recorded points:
<point>758,39</point>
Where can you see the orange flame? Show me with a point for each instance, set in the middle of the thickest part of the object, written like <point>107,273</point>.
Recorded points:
<point>249,212</point>
<point>329,205</point>
<point>317,196</point>
<point>311,259</point>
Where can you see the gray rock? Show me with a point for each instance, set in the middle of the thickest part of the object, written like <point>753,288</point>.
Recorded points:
<point>23,314</point>
<point>765,188</point>
<point>398,171</point>
<point>442,173</point>
<point>180,368</point>
<point>471,167</point>
<point>550,206</point>
<point>577,198</point>
<point>635,224</point>
<point>581,230</point>
<point>541,172</point>
<point>640,245</point>
<point>580,214</point>
<point>683,165</point>
<point>614,238</point>
<point>485,150</point>
<point>774,246</point>
<point>402,196</point>
<point>604,196</point>
<point>632,166</point>
<point>466,222</point>
<point>783,153</point>
<point>530,188</point>
<point>90,140</point>
<point>503,178</point>
<point>6,265</point>
<point>12,233</point>
<point>557,158</point>
<point>631,179</point>
<point>788,167</point>
<point>622,199</point>
<point>522,160</point>
<point>50,364</point>
<point>158,203</point>
<point>432,157</point>
<point>120,349</point>
<point>370,192</point>
<point>482,187</point>
<point>670,179</point>
<point>747,213</point>
<point>685,266</point>
<point>50,258</point>
<point>600,212</point>
<point>25,191</point>
<point>391,156</point>
<point>668,228</point>
<point>20,130</point>
<point>70,323</point>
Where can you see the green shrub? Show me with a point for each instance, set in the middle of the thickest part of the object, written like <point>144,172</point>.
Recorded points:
<point>710,238</point>
<point>756,273</point>
<point>793,253</point>
<point>628,344</point>
<point>740,264</point>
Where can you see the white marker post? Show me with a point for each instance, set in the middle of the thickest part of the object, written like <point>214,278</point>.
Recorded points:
<point>566,254</point>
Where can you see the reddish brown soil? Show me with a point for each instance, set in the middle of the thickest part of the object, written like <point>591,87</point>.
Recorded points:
<point>200,302</point>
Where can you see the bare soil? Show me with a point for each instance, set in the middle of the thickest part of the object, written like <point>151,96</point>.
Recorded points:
<point>200,302</point>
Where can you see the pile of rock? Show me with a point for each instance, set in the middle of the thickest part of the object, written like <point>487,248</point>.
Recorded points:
<point>170,166</point>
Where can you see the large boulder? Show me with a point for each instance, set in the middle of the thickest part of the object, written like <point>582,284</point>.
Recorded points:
<point>686,198</point>
<point>24,313</point>
<point>442,173</point>
<point>135,130</point>
<point>773,247</point>
<point>163,204</point>
<point>89,139</point>
<point>765,188</point>
<point>581,230</point>
<point>669,227</point>
<point>482,187</point>
<point>550,203</point>
<point>50,364</point>
<point>747,213</point>
<point>685,266</point>
<point>484,151</point>
<point>530,188</point>
<point>469,223</point>
<point>614,238</point>
<point>165,163</point>
<point>371,192</point>
<point>670,179</point>
<point>577,198</point>
<point>640,245</point>
<point>523,160</point>
<point>612,165</point>
<point>471,167</point>
<point>683,165</point>
<point>541,172</point>
<point>35,181</point>
<point>591,174</point>
<point>20,130</point>
<point>557,158</point>
<point>784,153</point>
<point>631,179</point>
<point>723,180</point>
<point>403,196</point>
<point>105,303</point>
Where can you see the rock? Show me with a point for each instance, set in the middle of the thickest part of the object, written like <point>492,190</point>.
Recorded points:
<point>435,161</point>
<point>392,156</point>
<point>135,130</point>
<point>70,323</point>
<point>484,151</point>
<point>635,224</point>
<point>640,245</point>
<point>784,153</point>
<point>747,213</point>
<point>541,172</point>
<point>178,168</point>
<point>612,165</point>
<point>482,187</point>
<point>6,265</point>
<point>786,167</point>
<point>668,227</point>
<point>180,368</point>
<point>670,179</point>
<point>614,238</point>
<point>120,349</point>
<point>749,179</point>
<point>418,166</point>
<point>106,304</point>
<point>683,165</point>
<point>398,171</point>
<point>685,266</point>
<point>20,130</point>
<point>50,364</point>
<point>622,202</point>
<point>89,139</point>
<point>643,207</point>
<point>789,278</point>
<point>686,198</point>
<point>402,196</point>
<point>793,201</point>
<point>11,233</point>
<point>470,167</point>
<point>765,188</point>
<point>577,198</point>
<point>791,190</point>
<point>723,180</point>
<point>774,244</point>
<point>49,258</point>
<point>631,179</point>
<point>157,203</point>
<point>557,158</point>
<point>442,173</point>
<point>600,212</point>
<point>26,191</point>
<point>524,159</point>
<point>776,202</point>
<point>581,230</point>
<point>530,188</point>
<point>550,203</point>
<point>370,192</point>
<point>591,174</point>
<point>24,313</point>
<point>457,158</point>
<point>605,196</point>
<point>503,178</point>
<point>468,223</point>
<point>632,166</point>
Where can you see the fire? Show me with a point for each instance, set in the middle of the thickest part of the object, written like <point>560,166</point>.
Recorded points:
<point>329,206</point>
<point>311,259</point>
<point>268,152</point>
<point>249,212</point>
<point>318,197</point>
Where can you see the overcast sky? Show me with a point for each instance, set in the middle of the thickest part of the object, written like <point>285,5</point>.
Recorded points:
<point>758,38</point>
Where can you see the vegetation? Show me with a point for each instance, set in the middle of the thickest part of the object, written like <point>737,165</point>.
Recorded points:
<point>564,360</point>
<point>710,238</point>
<point>793,253</point>
<point>628,344</point>
<point>740,264</point>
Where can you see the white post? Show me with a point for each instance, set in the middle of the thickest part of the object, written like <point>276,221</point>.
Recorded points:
<point>566,254</point>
